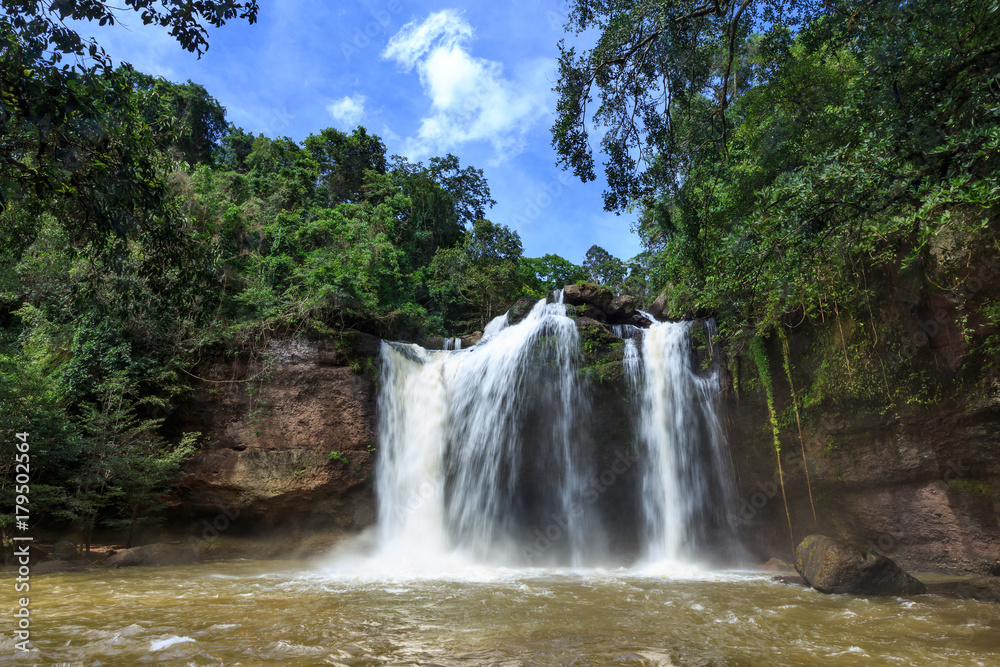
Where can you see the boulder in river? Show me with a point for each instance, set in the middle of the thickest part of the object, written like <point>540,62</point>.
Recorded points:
<point>64,550</point>
<point>834,566</point>
<point>52,567</point>
<point>985,589</point>
<point>153,554</point>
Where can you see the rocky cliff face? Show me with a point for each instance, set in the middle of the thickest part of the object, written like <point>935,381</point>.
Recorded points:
<point>917,481</point>
<point>292,445</point>
<point>920,486</point>
<point>291,440</point>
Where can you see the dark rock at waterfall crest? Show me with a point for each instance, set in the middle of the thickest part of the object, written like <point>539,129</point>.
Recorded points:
<point>593,312</point>
<point>622,308</point>
<point>153,554</point>
<point>833,566</point>
<point>597,302</point>
<point>520,309</point>
<point>985,589</point>
<point>659,307</point>
<point>588,293</point>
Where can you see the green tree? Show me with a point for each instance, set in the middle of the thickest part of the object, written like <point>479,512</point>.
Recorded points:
<point>183,117</point>
<point>789,155</point>
<point>484,273</point>
<point>343,161</point>
<point>604,268</point>
<point>552,272</point>
<point>143,476</point>
<point>71,138</point>
<point>127,468</point>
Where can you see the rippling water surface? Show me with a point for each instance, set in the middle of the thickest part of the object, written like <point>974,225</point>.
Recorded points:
<point>253,613</point>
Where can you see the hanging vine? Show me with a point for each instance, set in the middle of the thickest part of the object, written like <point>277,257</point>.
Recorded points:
<point>798,420</point>
<point>760,358</point>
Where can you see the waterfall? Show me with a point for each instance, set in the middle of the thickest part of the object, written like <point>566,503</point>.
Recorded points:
<point>477,446</point>
<point>685,481</point>
<point>485,453</point>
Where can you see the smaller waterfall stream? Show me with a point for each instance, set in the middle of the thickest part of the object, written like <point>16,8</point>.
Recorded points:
<point>686,479</point>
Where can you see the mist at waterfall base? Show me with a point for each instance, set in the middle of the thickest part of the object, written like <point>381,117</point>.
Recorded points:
<point>489,456</point>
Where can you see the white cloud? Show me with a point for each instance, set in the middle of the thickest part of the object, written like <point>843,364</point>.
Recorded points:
<point>348,110</point>
<point>414,40</point>
<point>471,100</point>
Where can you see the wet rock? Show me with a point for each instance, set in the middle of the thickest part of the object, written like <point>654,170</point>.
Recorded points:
<point>659,307</point>
<point>777,565</point>
<point>594,313</point>
<point>153,554</point>
<point>640,321</point>
<point>471,339</point>
<point>621,309</point>
<point>833,566</point>
<point>64,550</point>
<point>433,343</point>
<point>520,310</point>
<point>790,580</point>
<point>589,294</point>
<point>985,589</point>
<point>52,567</point>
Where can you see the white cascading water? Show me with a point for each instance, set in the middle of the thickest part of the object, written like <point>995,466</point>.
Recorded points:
<point>458,429</point>
<point>685,476</point>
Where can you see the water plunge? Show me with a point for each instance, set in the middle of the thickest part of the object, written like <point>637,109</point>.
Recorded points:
<point>485,452</point>
<point>686,479</point>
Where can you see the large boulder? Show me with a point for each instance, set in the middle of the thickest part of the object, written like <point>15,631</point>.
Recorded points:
<point>520,309</point>
<point>834,566</point>
<point>64,550</point>
<point>588,294</point>
<point>659,307</point>
<point>52,567</point>
<point>621,309</point>
<point>153,554</point>
<point>986,589</point>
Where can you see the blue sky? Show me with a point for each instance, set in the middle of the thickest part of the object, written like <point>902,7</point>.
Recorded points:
<point>430,78</point>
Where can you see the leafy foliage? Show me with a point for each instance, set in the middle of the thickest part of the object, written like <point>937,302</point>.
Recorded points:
<point>795,160</point>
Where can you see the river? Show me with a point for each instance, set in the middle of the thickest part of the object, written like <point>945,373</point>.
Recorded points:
<point>301,613</point>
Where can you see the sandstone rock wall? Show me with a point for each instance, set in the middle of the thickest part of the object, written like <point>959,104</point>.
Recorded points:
<point>272,422</point>
<point>920,484</point>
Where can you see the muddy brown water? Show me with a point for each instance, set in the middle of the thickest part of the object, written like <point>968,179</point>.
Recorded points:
<point>296,613</point>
